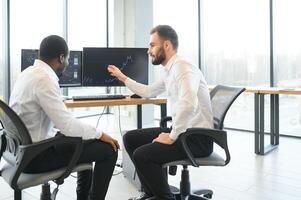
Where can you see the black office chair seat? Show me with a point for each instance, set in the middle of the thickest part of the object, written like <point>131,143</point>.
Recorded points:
<point>27,180</point>
<point>213,160</point>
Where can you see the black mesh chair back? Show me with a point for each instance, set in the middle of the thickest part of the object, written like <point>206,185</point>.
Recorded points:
<point>15,132</point>
<point>222,98</point>
<point>18,151</point>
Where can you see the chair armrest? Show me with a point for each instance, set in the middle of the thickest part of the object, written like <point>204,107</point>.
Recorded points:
<point>218,136</point>
<point>28,152</point>
<point>2,146</point>
<point>164,120</point>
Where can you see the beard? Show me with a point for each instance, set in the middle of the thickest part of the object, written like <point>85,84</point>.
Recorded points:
<point>158,60</point>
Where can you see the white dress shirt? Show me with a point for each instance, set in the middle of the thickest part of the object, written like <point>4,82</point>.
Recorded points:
<point>37,99</point>
<point>187,94</point>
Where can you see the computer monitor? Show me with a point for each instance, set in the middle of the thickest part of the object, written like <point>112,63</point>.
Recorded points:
<point>133,62</point>
<point>27,57</point>
<point>72,76</point>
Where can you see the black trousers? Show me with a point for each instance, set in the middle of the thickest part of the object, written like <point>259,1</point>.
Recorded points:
<point>149,157</point>
<point>93,184</point>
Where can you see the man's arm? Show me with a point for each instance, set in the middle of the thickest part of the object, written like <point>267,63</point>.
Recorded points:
<point>108,139</point>
<point>146,91</point>
<point>48,97</point>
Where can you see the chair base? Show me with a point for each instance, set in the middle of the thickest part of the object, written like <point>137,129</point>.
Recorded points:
<point>46,194</point>
<point>17,195</point>
<point>198,195</point>
<point>204,192</point>
<point>179,196</point>
<point>185,193</point>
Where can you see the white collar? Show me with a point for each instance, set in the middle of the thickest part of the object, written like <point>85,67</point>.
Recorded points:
<point>45,66</point>
<point>170,62</point>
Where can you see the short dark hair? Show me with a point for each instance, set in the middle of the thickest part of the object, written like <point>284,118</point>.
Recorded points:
<point>52,47</point>
<point>166,32</point>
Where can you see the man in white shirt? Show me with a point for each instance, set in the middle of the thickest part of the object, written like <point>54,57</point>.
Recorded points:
<point>37,99</point>
<point>190,104</point>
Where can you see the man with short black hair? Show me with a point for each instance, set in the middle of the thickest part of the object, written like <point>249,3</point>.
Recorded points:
<point>189,100</point>
<point>37,99</point>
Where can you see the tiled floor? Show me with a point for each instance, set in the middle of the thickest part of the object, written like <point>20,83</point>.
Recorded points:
<point>248,176</point>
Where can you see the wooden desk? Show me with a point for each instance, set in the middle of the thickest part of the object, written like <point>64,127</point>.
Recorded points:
<point>290,91</point>
<point>118,102</point>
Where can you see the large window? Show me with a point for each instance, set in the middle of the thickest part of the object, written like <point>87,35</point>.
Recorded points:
<point>86,28</point>
<point>2,51</point>
<point>235,50</point>
<point>31,21</point>
<point>287,59</point>
<point>86,24</point>
<point>83,34</point>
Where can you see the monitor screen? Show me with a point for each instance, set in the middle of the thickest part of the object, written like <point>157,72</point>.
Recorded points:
<point>133,62</point>
<point>71,76</point>
<point>27,57</point>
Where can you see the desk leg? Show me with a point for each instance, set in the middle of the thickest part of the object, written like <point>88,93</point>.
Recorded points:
<point>163,113</point>
<point>260,147</point>
<point>272,139</point>
<point>275,119</point>
<point>261,124</point>
<point>256,128</point>
<point>274,134</point>
<point>139,116</point>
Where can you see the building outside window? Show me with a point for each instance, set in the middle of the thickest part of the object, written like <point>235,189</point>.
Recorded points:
<point>287,62</point>
<point>2,52</point>
<point>235,51</point>
<point>31,21</point>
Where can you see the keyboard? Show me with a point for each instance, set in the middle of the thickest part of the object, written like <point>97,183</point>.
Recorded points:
<point>98,97</point>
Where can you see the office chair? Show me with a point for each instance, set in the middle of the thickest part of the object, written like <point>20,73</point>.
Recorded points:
<point>222,98</point>
<point>18,151</point>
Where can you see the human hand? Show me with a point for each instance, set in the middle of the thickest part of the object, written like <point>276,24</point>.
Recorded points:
<point>164,139</point>
<point>115,71</point>
<point>108,139</point>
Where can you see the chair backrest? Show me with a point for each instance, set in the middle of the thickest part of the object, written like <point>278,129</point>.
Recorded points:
<point>14,132</point>
<point>222,98</point>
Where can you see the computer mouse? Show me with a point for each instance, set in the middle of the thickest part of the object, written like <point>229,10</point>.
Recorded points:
<point>135,96</point>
